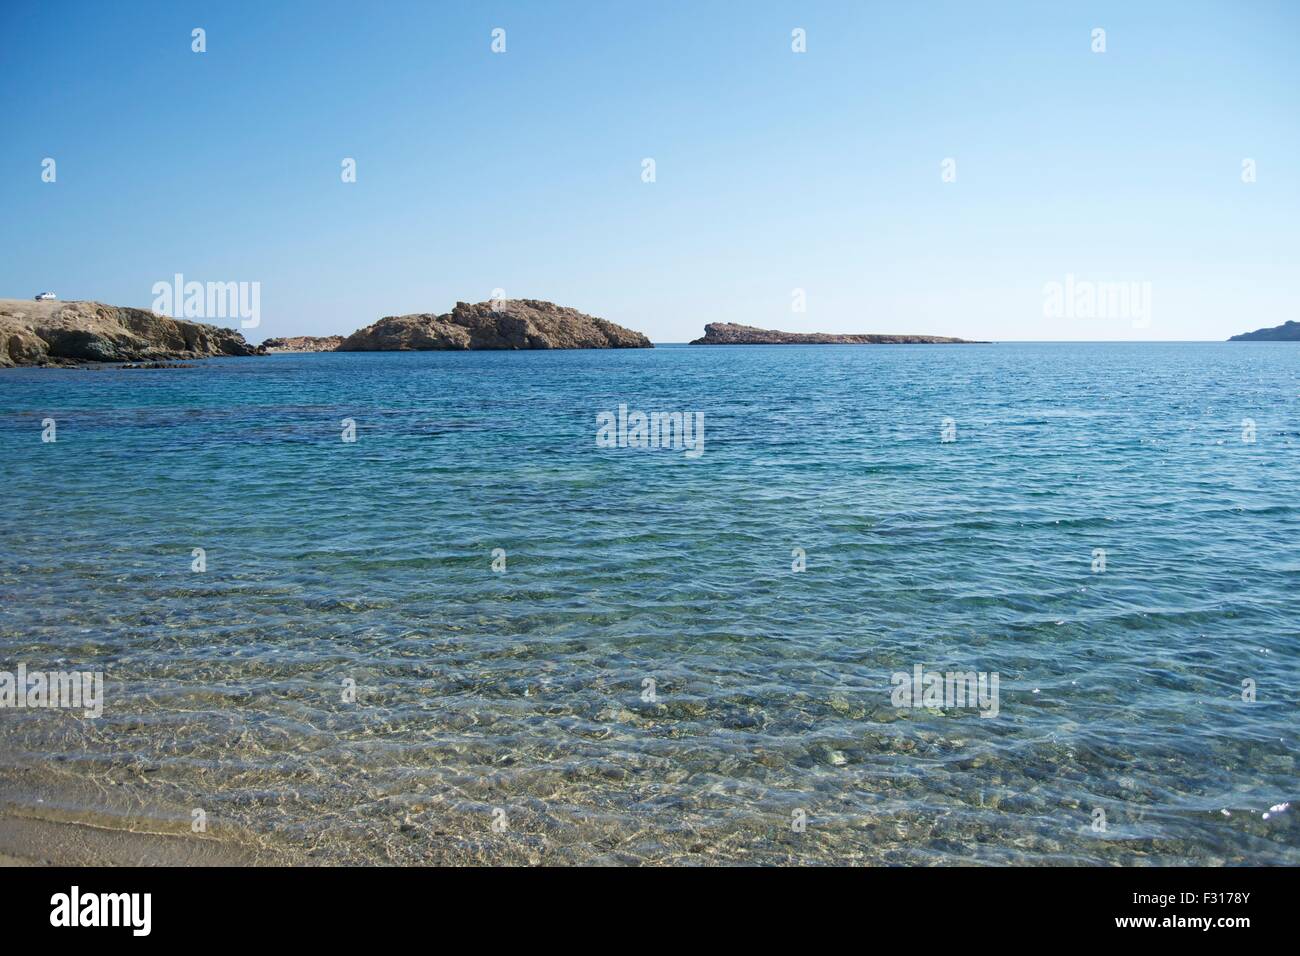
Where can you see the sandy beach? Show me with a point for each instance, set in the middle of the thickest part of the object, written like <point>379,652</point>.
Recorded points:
<point>43,838</point>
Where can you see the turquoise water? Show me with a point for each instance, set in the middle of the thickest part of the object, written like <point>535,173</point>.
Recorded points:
<point>521,697</point>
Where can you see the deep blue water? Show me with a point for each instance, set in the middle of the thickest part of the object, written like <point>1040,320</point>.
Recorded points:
<point>523,695</point>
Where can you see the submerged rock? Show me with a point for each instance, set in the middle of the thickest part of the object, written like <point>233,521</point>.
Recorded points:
<point>158,365</point>
<point>728,333</point>
<point>512,324</point>
<point>66,333</point>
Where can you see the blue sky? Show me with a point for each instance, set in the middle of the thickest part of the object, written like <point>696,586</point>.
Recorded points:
<point>775,171</point>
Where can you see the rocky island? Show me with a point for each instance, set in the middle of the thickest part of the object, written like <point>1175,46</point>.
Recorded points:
<point>728,333</point>
<point>71,333</point>
<point>510,324</point>
<point>303,343</point>
<point>1286,332</point>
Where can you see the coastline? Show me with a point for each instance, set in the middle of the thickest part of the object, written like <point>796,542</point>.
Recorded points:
<point>48,821</point>
<point>27,839</point>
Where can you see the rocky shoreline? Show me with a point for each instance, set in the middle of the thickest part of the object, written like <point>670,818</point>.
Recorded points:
<point>729,333</point>
<point>85,333</point>
<point>74,333</point>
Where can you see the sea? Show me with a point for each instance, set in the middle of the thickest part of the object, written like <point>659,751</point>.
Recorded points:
<point>978,604</point>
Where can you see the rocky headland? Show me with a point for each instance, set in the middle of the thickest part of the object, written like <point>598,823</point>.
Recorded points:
<point>1286,332</point>
<point>303,343</point>
<point>511,324</point>
<point>83,332</point>
<point>73,333</point>
<point>728,333</point>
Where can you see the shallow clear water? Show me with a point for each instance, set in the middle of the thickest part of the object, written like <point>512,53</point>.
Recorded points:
<point>519,697</point>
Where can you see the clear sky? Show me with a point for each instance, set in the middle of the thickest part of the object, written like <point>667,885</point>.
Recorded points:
<point>774,170</point>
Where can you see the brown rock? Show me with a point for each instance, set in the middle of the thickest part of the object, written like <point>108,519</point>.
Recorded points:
<point>728,333</point>
<point>303,343</point>
<point>63,333</point>
<point>513,324</point>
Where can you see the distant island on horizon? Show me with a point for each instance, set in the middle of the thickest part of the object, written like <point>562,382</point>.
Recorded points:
<point>1286,332</point>
<point>729,333</point>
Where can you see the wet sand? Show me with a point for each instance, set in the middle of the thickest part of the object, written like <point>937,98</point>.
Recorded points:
<point>37,839</point>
